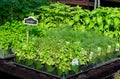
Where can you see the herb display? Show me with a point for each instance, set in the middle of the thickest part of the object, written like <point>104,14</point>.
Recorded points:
<point>63,34</point>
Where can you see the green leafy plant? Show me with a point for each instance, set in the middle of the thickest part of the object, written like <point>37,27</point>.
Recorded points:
<point>18,9</point>
<point>63,34</point>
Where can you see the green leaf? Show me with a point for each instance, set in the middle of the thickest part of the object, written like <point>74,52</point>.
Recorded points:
<point>99,20</point>
<point>108,20</point>
<point>77,17</point>
<point>28,62</point>
<point>17,59</point>
<point>71,22</point>
<point>75,68</point>
<point>49,68</point>
<point>91,25</point>
<point>116,23</point>
<point>87,20</point>
<point>106,26</point>
<point>59,72</point>
<point>21,16</point>
<point>38,65</point>
<point>103,58</point>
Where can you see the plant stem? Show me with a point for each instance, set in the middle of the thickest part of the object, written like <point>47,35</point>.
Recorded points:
<point>27,41</point>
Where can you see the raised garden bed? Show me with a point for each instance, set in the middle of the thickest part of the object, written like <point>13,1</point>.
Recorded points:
<point>49,58</point>
<point>83,69</point>
<point>7,55</point>
<point>67,41</point>
<point>23,72</point>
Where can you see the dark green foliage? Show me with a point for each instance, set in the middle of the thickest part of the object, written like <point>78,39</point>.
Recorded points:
<point>18,9</point>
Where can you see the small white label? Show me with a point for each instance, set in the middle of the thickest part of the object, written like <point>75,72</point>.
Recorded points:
<point>75,62</point>
<point>117,47</point>
<point>109,49</point>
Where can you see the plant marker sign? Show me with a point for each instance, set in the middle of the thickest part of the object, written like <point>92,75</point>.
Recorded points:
<point>30,21</point>
<point>75,62</point>
<point>117,47</point>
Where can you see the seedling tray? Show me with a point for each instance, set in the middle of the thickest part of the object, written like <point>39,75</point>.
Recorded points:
<point>38,71</point>
<point>23,72</point>
<point>7,57</point>
<point>92,73</point>
<point>96,67</point>
<point>7,54</point>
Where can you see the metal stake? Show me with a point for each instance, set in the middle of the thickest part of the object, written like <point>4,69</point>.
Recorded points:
<point>63,76</point>
<point>98,3</point>
<point>95,4</point>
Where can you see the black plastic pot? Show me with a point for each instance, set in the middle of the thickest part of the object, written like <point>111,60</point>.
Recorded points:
<point>39,66</point>
<point>51,69</point>
<point>4,54</point>
<point>29,63</point>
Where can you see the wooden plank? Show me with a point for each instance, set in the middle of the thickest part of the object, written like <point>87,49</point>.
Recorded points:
<point>100,72</point>
<point>22,73</point>
<point>76,2</point>
<point>113,0</point>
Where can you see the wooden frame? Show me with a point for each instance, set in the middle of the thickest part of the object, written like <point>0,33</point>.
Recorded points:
<point>76,2</point>
<point>113,0</point>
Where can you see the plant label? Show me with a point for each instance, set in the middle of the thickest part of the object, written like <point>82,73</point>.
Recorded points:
<point>30,21</point>
<point>75,62</point>
<point>109,49</point>
<point>117,47</point>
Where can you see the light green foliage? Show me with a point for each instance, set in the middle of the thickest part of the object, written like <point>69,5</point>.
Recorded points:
<point>56,47</point>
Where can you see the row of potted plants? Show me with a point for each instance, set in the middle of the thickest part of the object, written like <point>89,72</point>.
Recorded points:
<point>59,47</point>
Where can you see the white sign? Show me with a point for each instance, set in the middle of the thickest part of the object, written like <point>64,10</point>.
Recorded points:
<point>30,21</point>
